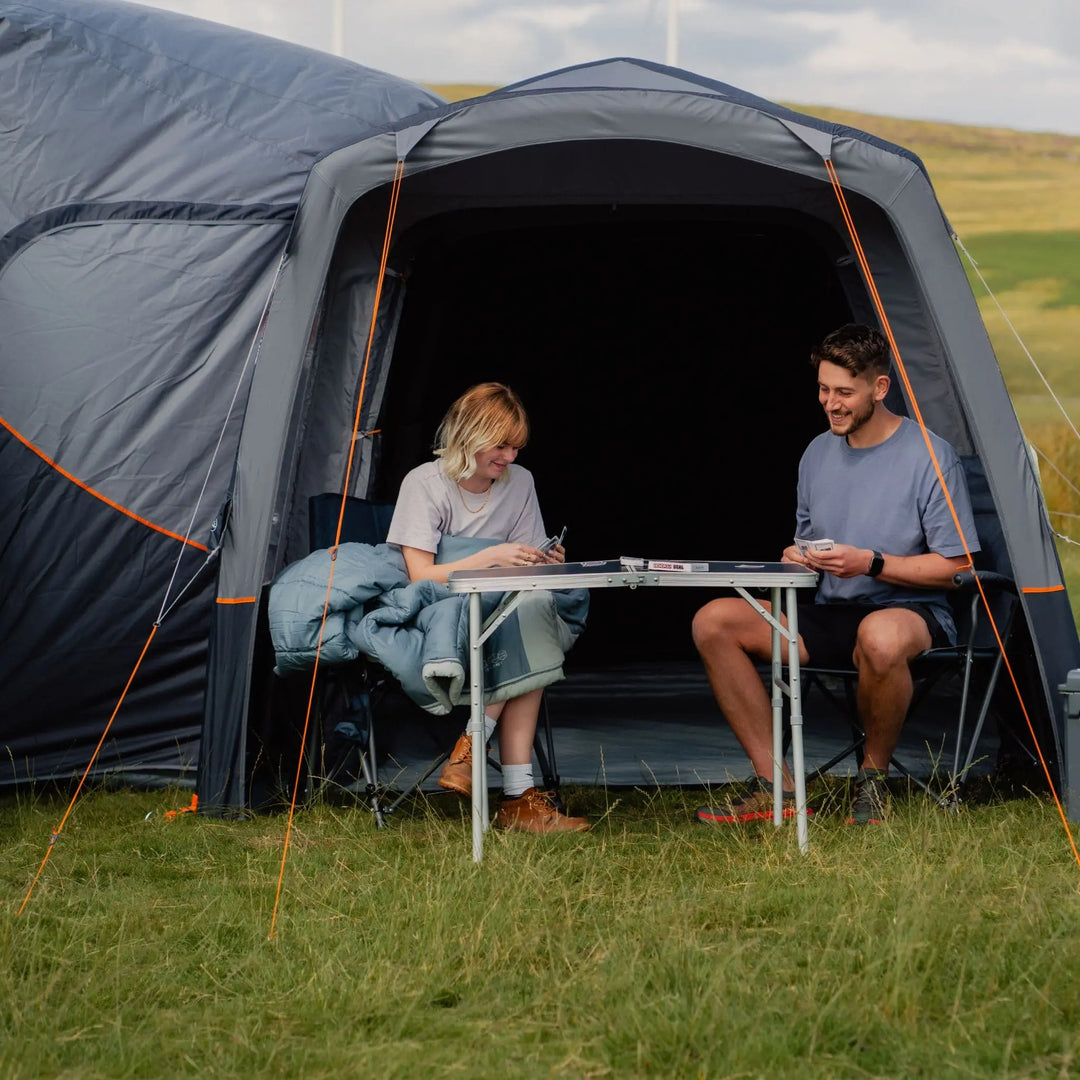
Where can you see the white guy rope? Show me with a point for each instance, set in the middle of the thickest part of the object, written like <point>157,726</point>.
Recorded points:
<point>1038,371</point>
<point>253,352</point>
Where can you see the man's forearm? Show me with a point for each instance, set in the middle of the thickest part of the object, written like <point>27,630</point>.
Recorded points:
<point>930,571</point>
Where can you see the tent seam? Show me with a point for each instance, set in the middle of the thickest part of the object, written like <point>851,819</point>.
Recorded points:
<point>72,478</point>
<point>87,223</point>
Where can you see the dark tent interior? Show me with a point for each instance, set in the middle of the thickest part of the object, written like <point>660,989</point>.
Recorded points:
<point>662,356</point>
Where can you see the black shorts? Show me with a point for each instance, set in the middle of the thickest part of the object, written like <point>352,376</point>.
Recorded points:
<point>829,630</point>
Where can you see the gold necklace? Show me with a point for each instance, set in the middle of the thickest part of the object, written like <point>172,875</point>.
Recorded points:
<point>461,496</point>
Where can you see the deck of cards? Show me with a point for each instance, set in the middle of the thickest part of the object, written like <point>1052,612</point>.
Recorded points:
<point>805,546</point>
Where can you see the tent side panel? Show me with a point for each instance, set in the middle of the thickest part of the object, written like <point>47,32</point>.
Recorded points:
<point>326,429</point>
<point>964,398</point>
<point>125,342</point>
<point>82,586</point>
<point>263,482</point>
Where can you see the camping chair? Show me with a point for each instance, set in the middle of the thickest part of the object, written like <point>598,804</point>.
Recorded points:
<point>976,649</point>
<point>346,695</point>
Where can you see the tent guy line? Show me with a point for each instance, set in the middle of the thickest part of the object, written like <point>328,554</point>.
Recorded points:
<point>399,173</point>
<point>166,606</point>
<point>55,835</point>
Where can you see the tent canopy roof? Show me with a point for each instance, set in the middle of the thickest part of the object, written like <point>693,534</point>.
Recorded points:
<point>630,73</point>
<point>159,107</point>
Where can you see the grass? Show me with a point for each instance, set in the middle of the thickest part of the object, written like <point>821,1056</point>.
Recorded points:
<point>1010,261</point>
<point>936,945</point>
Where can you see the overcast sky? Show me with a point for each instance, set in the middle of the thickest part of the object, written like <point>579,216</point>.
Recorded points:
<point>1008,63</point>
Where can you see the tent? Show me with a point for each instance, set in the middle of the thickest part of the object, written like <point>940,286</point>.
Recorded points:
<point>646,255</point>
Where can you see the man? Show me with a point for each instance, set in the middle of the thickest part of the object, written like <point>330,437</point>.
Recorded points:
<point>870,485</point>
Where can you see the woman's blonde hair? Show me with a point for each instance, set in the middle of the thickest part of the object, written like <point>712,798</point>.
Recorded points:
<point>486,415</point>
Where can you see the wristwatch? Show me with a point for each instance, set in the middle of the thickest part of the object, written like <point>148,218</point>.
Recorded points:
<point>877,564</point>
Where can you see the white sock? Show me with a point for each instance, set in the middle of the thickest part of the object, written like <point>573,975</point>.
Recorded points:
<point>516,780</point>
<point>489,727</point>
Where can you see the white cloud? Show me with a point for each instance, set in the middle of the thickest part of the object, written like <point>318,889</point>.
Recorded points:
<point>968,61</point>
<point>867,43</point>
<point>560,17</point>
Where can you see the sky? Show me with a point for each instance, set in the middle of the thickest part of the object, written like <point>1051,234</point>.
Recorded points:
<point>1001,63</point>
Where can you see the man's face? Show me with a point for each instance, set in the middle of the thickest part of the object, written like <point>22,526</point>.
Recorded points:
<point>848,400</point>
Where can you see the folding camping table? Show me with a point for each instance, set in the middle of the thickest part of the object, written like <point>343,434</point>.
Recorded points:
<point>782,579</point>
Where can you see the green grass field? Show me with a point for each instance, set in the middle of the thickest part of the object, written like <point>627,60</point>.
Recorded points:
<point>1011,261</point>
<point>936,945</point>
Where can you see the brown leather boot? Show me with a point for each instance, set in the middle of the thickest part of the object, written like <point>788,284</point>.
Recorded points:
<point>457,772</point>
<point>535,812</point>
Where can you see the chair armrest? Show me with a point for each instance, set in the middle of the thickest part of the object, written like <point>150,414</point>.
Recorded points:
<point>990,580</point>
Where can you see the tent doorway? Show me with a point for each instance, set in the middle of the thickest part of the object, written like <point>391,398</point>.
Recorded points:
<point>662,355</point>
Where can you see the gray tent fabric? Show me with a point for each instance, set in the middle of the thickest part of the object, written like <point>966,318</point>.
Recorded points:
<point>152,166</point>
<point>199,289</point>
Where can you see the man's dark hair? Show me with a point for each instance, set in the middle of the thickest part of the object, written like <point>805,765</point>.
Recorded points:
<point>859,349</point>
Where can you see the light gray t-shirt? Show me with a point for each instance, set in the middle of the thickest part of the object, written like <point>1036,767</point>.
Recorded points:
<point>431,505</point>
<point>887,498</point>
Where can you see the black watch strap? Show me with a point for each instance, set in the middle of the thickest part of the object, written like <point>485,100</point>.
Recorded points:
<point>877,564</point>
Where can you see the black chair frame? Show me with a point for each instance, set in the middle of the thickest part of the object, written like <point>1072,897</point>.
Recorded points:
<point>976,647</point>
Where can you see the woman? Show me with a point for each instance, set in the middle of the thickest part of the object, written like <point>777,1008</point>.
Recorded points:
<point>474,489</point>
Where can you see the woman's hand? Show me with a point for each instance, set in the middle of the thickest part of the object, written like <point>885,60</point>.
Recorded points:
<point>557,554</point>
<point>511,555</point>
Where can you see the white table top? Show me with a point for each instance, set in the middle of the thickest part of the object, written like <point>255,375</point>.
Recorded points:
<point>612,573</point>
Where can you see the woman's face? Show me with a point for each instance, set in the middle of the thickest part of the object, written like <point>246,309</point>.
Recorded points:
<point>491,464</point>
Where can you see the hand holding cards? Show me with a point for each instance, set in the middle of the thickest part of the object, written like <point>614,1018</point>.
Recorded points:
<point>805,546</point>
<point>553,541</point>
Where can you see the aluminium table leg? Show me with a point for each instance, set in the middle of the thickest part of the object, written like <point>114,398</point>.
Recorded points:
<point>777,714</point>
<point>795,697</point>
<point>476,728</point>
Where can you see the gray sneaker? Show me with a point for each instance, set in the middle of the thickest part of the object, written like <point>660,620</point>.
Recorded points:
<point>871,803</point>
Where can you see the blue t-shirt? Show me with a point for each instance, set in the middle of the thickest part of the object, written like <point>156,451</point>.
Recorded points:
<point>887,498</point>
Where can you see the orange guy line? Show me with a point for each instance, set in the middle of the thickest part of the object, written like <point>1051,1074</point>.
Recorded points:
<point>399,173</point>
<point>86,772</point>
<point>880,308</point>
